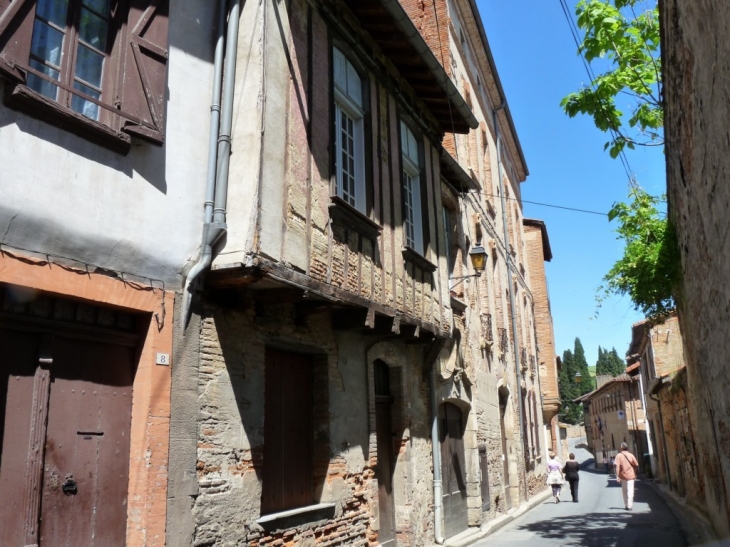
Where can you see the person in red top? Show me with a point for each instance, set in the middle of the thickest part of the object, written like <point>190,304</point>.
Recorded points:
<point>626,465</point>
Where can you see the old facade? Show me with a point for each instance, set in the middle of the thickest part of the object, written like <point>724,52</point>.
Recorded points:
<point>697,115</point>
<point>101,175</point>
<point>656,356</point>
<point>353,382</point>
<point>322,365</point>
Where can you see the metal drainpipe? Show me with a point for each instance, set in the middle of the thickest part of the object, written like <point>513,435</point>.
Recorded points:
<point>516,342</point>
<point>219,148</point>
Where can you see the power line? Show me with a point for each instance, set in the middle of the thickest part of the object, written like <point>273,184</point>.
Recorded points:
<point>551,205</point>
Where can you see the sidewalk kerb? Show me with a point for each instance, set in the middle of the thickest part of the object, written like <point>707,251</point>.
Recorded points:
<point>469,536</point>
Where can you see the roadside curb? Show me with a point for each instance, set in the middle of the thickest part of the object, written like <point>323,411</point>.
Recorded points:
<point>469,536</point>
<point>695,526</point>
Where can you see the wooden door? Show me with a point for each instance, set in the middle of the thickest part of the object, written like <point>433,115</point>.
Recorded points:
<point>453,469</point>
<point>86,464</point>
<point>18,358</point>
<point>65,442</point>
<point>386,460</point>
<point>288,432</point>
<point>484,477</point>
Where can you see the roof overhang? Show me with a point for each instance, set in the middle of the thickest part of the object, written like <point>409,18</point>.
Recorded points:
<point>399,40</point>
<point>547,252</point>
<point>456,175</point>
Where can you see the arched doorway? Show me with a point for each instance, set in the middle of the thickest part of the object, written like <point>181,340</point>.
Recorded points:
<point>453,469</point>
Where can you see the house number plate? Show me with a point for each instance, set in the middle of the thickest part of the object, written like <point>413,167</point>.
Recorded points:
<point>163,359</point>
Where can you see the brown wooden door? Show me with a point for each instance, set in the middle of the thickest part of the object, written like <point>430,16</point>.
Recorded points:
<point>288,432</point>
<point>75,475</point>
<point>18,358</point>
<point>453,469</point>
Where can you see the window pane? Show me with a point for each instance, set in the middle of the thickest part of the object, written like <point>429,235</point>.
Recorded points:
<point>53,10</point>
<point>47,44</point>
<point>354,85</point>
<point>82,106</point>
<point>45,88</point>
<point>340,70</point>
<point>99,6</point>
<point>89,65</point>
<point>93,29</point>
<point>408,206</point>
<point>347,158</point>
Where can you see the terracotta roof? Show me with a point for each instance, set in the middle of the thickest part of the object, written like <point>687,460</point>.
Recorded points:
<point>633,367</point>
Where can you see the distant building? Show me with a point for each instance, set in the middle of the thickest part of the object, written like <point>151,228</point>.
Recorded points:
<point>616,414</point>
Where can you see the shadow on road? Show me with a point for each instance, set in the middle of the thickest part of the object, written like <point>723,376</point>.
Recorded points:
<point>617,527</point>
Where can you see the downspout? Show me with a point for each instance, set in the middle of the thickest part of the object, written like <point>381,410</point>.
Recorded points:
<point>219,149</point>
<point>510,288</point>
<point>430,365</point>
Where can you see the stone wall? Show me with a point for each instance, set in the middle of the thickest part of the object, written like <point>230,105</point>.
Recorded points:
<point>696,65</point>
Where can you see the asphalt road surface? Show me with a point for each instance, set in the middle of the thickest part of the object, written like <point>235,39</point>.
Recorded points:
<point>598,519</point>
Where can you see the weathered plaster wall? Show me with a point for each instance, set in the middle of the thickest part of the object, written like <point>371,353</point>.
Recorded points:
<point>696,64</point>
<point>230,430</point>
<point>139,214</point>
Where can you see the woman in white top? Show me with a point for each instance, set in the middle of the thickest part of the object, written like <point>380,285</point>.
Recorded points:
<point>555,476</point>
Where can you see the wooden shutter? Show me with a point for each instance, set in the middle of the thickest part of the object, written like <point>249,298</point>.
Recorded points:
<point>16,30</point>
<point>143,77</point>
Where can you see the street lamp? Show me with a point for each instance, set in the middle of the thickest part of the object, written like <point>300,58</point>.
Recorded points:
<point>478,257</point>
<point>578,378</point>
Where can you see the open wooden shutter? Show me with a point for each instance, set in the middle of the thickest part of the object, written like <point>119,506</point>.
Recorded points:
<point>16,31</point>
<point>144,69</point>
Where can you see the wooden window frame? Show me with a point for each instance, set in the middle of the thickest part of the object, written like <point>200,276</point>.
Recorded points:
<point>412,166</point>
<point>343,211</point>
<point>134,76</point>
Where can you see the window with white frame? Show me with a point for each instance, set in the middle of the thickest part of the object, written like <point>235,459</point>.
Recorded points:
<point>412,208</point>
<point>349,132</point>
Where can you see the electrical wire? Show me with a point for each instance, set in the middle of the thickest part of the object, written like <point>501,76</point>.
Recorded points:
<point>551,205</point>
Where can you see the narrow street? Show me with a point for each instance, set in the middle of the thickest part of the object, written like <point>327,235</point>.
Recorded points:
<point>598,519</point>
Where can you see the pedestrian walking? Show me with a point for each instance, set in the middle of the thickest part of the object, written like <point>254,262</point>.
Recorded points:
<point>626,465</point>
<point>570,470</point>
<point>605,462</point>
<point>555,476</point>
<point>612,465</point>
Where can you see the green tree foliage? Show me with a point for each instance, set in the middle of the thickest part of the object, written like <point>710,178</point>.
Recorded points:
<point>573,362</point>
<point>649,270</point>
<point>626,38</point>
<point>609,363</point>
<point>624,35</point>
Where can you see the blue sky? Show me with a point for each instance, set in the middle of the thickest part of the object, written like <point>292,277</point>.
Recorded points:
<point>537,64</point>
